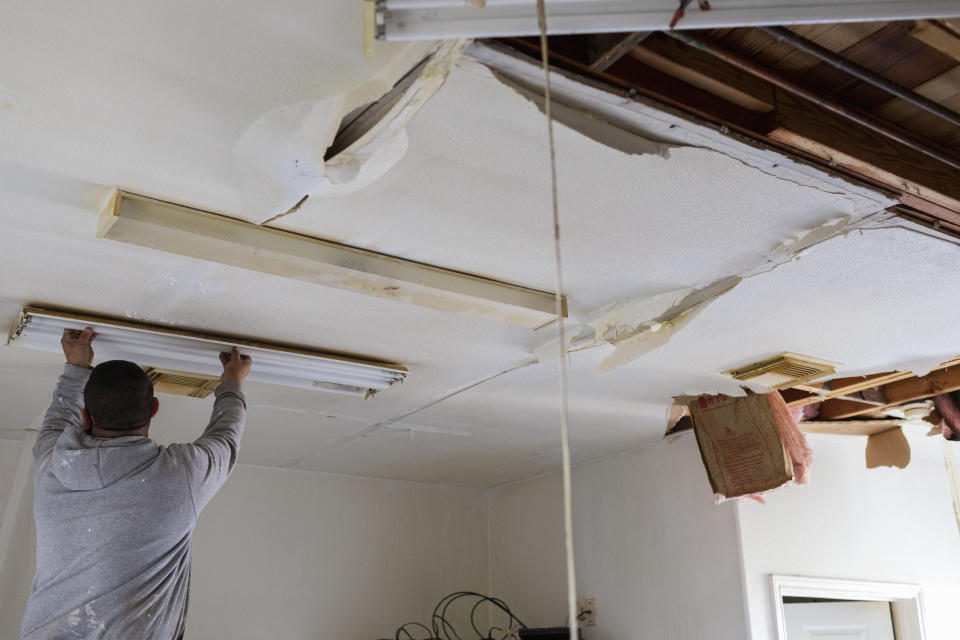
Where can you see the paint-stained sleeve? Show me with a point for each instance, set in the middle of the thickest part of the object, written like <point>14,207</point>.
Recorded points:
<point>64,410</point>
<point>211,457</point>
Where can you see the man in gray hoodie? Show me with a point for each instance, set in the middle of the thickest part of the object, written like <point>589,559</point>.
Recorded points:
<point>114,511</point>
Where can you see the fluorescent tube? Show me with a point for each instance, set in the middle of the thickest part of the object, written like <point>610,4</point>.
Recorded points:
<point>208,236</point>
<point>180,350</point>
<point>399,20</point>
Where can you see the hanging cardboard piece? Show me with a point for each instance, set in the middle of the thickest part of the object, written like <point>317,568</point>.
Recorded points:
<point>888,449</point>
<point>740,445</point>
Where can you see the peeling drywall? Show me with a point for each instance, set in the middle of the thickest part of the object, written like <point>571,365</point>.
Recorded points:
<point>636,326</point>
<point>594,103</point>
<point>614,133</point>
<point>281,155</point>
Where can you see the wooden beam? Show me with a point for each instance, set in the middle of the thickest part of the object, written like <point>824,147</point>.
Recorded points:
<point>923,183</point>
<point>937,36</point>
<point>933,384</point>
<point>927,185</point>
<point>707,72</point>
<point>847,386</point>
<point>666,88</point>
<point>632,75</point>
<point>897,393</point>
<point>927,220</point>
<point>603,49</point>
<point>841,143</point>
<point>848,427</point>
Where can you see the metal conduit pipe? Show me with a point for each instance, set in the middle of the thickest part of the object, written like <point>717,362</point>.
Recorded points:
<point>839,62</point>
<point>850,113</point>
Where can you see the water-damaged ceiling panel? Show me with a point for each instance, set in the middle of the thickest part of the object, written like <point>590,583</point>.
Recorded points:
<point>650,207</point>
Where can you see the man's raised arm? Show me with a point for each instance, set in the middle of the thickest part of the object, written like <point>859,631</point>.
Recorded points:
<point>67,403</point>
<point>212,456</point>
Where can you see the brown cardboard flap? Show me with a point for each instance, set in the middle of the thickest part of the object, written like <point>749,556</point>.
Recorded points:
<point>888,449</point>
<point>740,444</point>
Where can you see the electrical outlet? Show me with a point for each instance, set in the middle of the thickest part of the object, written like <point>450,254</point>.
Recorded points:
<point>587,612</point>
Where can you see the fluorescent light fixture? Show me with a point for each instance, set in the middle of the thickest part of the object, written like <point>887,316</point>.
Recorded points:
<point>208,236</point>
<point>197,353</point>
<point>399,20</point>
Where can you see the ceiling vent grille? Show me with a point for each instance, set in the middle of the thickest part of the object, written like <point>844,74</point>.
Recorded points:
<point>784,371</point>
<point>180,383</point>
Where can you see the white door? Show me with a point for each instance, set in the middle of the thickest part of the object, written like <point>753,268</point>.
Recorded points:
<point>838,621</point>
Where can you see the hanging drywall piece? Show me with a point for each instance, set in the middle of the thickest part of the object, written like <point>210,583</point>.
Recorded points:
<point>636,326</point>
<point>648,336</point>
<point>606,128</point>
<point>639,325</point>
<point>284,156</point>
<point>888,449</point>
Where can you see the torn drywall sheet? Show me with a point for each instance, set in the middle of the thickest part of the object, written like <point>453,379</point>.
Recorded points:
<point>888,449</point>
<point>281,156</point>
<point>632,342</point>
<point>662,125</point>
<point>640,325</point>
<point>610,131</point>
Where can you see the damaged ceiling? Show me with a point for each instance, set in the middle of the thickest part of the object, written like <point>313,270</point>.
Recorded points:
<point>654,207</point>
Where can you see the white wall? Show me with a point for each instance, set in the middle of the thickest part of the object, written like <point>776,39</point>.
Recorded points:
<point>302,555</point>
<point>852,522</point>
<point>16,531</point>
<point>660,558</point>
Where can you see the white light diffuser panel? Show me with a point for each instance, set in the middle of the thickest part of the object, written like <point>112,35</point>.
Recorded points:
<point>208,236</point>
<point>180,350</point>
<point>399,20</point>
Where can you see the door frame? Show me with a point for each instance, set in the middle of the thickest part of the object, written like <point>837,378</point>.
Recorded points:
<point>906,600</point>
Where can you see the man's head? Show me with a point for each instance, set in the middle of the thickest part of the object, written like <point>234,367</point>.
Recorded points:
<point>118,400</point>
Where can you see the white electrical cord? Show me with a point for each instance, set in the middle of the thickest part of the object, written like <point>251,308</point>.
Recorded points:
<point>561,341</point>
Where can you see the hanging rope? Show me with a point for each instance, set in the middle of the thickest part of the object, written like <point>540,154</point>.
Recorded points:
<point>562,342</point>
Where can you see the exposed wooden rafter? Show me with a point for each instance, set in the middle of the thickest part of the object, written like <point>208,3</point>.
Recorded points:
<point>603,49</point>
<point>938,36</point>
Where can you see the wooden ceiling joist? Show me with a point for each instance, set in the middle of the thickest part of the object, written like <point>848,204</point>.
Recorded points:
<point>603,49</point>
<point>896,393</point>
<point>849,427</point>
<point>938,36</point>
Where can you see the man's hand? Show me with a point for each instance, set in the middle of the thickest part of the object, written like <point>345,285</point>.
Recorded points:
<point>76,346</point>
<point>235,366</point>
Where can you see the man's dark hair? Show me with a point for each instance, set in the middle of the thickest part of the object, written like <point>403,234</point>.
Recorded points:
<point>118,396</point>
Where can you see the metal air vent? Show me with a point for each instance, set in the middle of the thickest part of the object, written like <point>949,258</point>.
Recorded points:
<point>179,383</point>
<point>784,371</point>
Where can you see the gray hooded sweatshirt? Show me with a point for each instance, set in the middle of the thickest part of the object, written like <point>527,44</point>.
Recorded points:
<point>114,518</point>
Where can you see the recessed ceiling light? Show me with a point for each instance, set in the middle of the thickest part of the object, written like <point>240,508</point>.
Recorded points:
<point>189,352</point>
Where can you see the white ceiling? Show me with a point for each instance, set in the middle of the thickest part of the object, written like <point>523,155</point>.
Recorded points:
<point>141,98</point>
